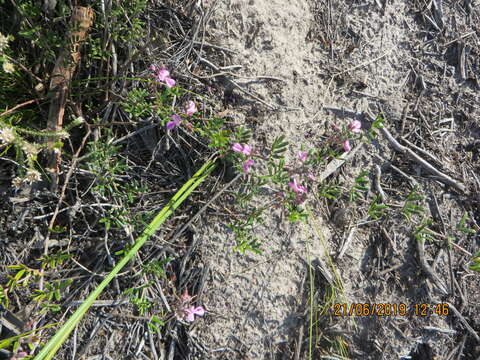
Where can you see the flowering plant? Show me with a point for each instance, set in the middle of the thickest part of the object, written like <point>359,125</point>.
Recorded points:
<point>187,311</point>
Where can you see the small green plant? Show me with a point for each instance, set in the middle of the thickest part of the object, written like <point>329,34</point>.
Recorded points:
<point>22,277</point>
<point>53,260</point>
<point>4,296</point>
<point>243,230</point>
<point>295,214</point>
<point>277,173</point>
<point>376,210</point>
<point>278,149</point>
<point>155,323</point>
<point>137,297</point>
<point>19,343</point>
<point>156,267</point>
<point>330,293</point>
<point>462,225</point>
<point>411,206</point>
<point>51,292</point>
<point>329,191</point>
<point>137,104</point>
<point>107,166</point>
<point>359,186</point>
<point>292,183</point>
<point>377,124</point>
<point>475,262</point>
<point>422,231</point>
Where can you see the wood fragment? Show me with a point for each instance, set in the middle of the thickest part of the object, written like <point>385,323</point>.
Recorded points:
<point>6,112</point>
<point>80,22</point>
<point>344,248</point>
<point>336,163</point>
<point>422,151</point>
<point>403,149</point>
<point>464,322</point>
<point>378,184</point>
<point>438,12</point>
<point>461,60</point>
<point>427,269</point>
<point>443,331</point>
<point>458,38</point>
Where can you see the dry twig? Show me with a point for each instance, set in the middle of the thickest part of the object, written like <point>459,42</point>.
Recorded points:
<point>464,322</point>
<point>81,21</point>
<point>403,149</point>
<point>427,268</point>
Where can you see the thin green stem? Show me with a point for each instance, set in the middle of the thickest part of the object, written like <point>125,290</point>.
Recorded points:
<point>312,285</point>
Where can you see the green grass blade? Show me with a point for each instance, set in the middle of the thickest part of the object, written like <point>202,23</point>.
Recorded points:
<point>49,350</point>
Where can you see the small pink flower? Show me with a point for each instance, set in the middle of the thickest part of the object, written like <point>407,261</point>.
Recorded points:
<point>302,156</point>
<point>174,123</point>
<point>247,149</point>
<point>244,149</point>
<point>163,75</point>
<point>237,147</point>
<point>298,188</point>
<point>191,108</point>
<point>169,82</point>
<point>355,126</point>
<point>346,145</point>
<point>247,164</point>
<point>192,311</point>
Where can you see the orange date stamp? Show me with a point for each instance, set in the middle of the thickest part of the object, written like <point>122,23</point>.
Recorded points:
<point>390,309</point>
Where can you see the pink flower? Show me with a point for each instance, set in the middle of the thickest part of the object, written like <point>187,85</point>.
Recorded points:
<point>247,149</point>
<point>302,156</point>
<point>247,164</point>
<point>355,126</point>
<point>163,75</point>
<point>237,147</point>
<point>244,149</point>
<point>191,108</point>
<point>192,311</point>
<point>169,82</point>
<point>174,123</point>
<point>298,188</point>
<point>346,145</point>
